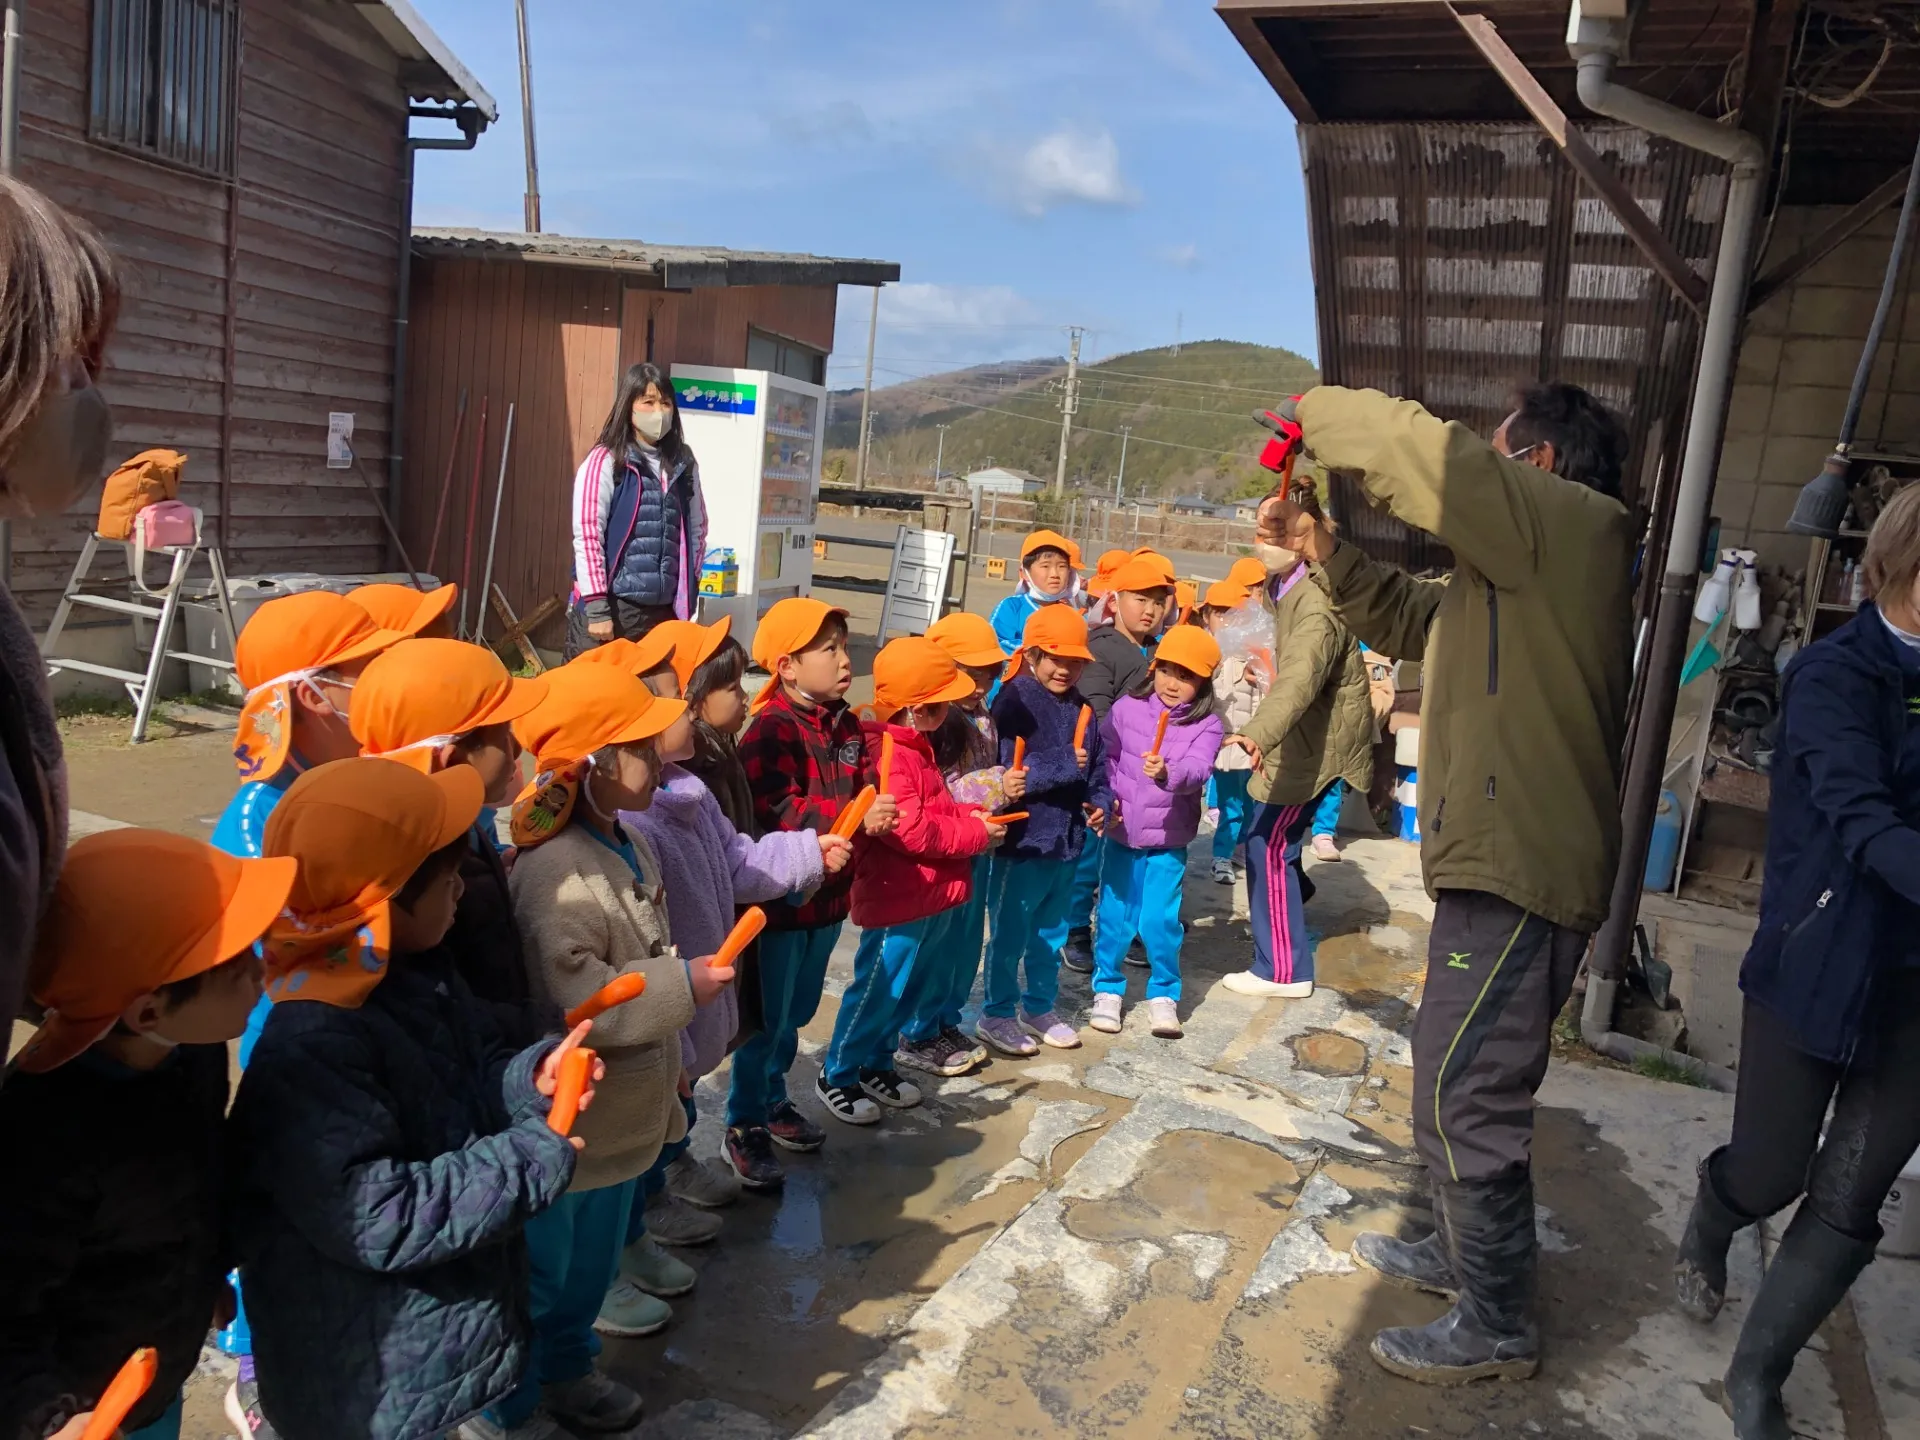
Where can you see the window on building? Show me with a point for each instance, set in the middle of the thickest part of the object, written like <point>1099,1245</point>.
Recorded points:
<point>163,79</point>
<point>785,357</point>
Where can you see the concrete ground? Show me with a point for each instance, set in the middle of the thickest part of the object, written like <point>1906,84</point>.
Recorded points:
<point>1146,1237</point>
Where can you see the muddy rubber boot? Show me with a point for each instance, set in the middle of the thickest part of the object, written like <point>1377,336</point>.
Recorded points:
<point>1811,1272</point>
<point>1700,1266</point>
<point>1415,1264</point>
<point>1489,1334</point>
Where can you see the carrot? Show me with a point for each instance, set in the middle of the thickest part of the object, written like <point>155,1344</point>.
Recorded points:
<point>886,763</point>
<point>751,922</point>
<point>1080,730</point>
<point>1008,819</point>
<point>1019,753</point>
<point>855,812</point>
<point>123,1393</point>
<point>1160,733</point>
<point>575,1067</point>
<point>615,992</point>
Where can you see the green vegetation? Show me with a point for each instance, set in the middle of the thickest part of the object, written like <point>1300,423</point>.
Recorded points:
<point>1658,1067</point>
<point>72,707</point>
<point>1189,415</point>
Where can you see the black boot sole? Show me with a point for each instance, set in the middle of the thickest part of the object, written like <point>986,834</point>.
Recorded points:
<point>1455,1374</point>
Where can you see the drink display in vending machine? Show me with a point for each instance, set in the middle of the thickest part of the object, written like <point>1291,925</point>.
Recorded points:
<point>758,437</point>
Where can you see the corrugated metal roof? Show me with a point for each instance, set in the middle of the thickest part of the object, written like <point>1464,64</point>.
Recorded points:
<point>679,267</point>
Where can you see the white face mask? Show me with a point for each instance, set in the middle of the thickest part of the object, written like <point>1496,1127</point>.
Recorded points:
<point>1277,559</point>
<point>652,424</point>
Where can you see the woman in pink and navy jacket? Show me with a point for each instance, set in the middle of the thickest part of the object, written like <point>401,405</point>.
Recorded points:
<point>639,519</point>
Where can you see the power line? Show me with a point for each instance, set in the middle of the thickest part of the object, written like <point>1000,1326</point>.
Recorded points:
<point>1137,439</point>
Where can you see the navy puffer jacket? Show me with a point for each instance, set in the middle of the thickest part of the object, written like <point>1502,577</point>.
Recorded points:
<point>390,1158</point>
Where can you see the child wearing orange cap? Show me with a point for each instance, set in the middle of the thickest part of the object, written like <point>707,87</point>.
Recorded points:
<point>590,900</point>
<point>912,883</point>
<point>1239,686</point>
<point>117,1106</point>
<point>1159,740</point>
<point>393,1145</point>
<point>1049,575</point>
<point>427,615</point>
<point>806,759</point>
<point>716,697</point>
<point>1062,785</point>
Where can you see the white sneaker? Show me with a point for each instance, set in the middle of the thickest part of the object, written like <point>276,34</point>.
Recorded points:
<point>1106,1014</point>
<point>1223,872</point>
<point>1163,1017</point>
<point>1245,982</point>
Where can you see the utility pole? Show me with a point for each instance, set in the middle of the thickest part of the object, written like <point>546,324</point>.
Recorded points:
<point>1179,324</point>
<point>866,398</point>
<point>939,453</point>
<point>1069,402</point>
<point>1120,480</point>
<point>526,119</point>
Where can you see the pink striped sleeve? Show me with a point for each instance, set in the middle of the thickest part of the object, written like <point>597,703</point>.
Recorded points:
<point>591,499</point>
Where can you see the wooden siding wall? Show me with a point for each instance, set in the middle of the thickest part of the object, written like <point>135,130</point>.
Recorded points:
<point>322,120</point>
<point>553,339</point>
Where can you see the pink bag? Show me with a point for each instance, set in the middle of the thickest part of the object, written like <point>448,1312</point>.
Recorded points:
<point>168,523</point>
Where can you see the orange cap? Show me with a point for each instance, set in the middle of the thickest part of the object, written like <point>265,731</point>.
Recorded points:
<point>1226,595</point>
<point>587,707</point>
<point>968,638</point>
<point>1139,574</point>
<point>423,694</point>
<point>789,627</point>
<point>1248,571</point>
<point>1186,593</point>
<point>403,608</point>
<point>1109,562</point>
<point>636,657</point>
<point>287,641</point>
<point>693,644</point>
<point>1158,561</point>
<point>1058,630</point>
<point>914,670</point>
<point>1191,648</point>
<point>359,829</point>
<point>1050,540</point>
<point>135,910</point>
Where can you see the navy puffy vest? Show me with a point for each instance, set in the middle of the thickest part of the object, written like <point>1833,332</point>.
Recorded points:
<point>645,524</point>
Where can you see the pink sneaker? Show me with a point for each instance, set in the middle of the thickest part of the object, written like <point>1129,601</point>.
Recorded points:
<point>1005,1035</point>
<point>1324,848</point>
<point>1053,1030</point>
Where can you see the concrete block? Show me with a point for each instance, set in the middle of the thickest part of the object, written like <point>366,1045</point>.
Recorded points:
<point>1807,410</point>
<point>1906,366</point>
<point>1899,424</point>
<point>1778,548</point>
<point>1740,456</point>
<point>1820,360</point>
<point>1759,360</point>
<point>1733,504</point>
<point>1749,408</point>
<point>1772,505</point>
<point>1794,460</point>
<point>1830,310</point>
<point>1858,263</point>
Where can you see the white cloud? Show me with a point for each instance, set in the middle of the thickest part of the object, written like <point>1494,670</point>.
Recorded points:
<point>1180,257</point>
<point>1069,165</point>
<point>926,327</point>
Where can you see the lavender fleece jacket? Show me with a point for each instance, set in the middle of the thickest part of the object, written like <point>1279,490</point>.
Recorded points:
<point>708,868</point>
<point>1165,815</point>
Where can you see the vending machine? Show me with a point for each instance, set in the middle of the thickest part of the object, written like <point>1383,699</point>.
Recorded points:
<point>758,437</point>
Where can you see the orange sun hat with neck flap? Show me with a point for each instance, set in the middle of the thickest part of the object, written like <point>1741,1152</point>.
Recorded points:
<point>693,644</point>
<point>586,709</point>
<point>288,642</point>
<point>403,608</point>
<point>1109,561</point>
<point>914,670</point>
<point>1191,648</point>
<point>135,910</point>
<point>359,829</point>
<point>968,638</point>
<point>423,694</point>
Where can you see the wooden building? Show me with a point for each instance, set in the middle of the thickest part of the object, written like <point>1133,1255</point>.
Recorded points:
<point>250,163</point>
<point>547,323</point>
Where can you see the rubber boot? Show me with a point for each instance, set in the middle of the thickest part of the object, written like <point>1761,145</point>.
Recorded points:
<point>1412,1265</point>
<point>1489,1334</point>
<point>1811,1272</point>
<point>1700,1266</point>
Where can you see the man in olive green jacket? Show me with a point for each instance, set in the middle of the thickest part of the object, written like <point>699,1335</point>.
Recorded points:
<point>1314,728</point>
<point>1526,663</point>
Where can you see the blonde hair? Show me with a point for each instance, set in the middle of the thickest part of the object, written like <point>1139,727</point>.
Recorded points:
<point>59,296</point>
<point>1892,559</point>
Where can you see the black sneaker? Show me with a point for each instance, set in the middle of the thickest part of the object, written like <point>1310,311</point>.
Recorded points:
<point>793,1131</point>
<point>1077,953</point>
<point>964,1043</point>
<point>846,1102</point>
<point>1136,955</point>
<point>749,1151</point>
<point>938,1055</point>
<point>890,1088</point>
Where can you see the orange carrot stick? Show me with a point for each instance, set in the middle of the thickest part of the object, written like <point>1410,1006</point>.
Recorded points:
<point>751,922</point>
<point>855,812</point>
<point>1080,730</point>
<point>616,992</point>
<point>1019,753</point>
<point>886,764</point>
<point>1007,819</point>
<point>575,1067</point>
<point>123,1393</point>
<point>1160,733</point>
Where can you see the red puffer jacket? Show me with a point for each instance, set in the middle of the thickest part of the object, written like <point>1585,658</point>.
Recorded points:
<point>925,865</point>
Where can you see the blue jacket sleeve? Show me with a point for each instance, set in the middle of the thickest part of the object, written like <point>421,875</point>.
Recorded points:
<point>330,1159</point>
<point>1010,622</point>
<point>1829,729</point>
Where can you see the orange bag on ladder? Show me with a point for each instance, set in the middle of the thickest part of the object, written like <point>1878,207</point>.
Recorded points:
<point>146,479</point>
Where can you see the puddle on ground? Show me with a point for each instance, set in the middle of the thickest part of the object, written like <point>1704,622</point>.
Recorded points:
<point>1327,1052</point>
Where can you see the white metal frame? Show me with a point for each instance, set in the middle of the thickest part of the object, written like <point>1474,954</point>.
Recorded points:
<point>917,583</point>
<point>144,686</point>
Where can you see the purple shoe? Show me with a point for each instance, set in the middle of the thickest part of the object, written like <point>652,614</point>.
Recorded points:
<point>1053,1030</point>
<point>1005,1035</point>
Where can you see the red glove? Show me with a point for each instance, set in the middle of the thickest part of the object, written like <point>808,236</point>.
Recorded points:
<point>1281,451</point>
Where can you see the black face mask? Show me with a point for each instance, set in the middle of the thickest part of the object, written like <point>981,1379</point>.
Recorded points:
<point>60,451</point>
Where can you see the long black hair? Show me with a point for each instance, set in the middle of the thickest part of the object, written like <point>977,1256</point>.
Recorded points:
<point>1202,705</point>
<point>618,433</point>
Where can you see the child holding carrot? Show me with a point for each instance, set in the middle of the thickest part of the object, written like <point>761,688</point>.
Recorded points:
<point>1052,753</point>
<point>591,906</point>
<point>1159,741</point>
<point>1049,575</point>
<point>806,759</point>
<point>912,883</point>
<point>146,968</point>
<point>392,1145</point>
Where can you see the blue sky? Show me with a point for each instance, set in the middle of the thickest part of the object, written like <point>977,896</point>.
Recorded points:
<point>1031,164</point>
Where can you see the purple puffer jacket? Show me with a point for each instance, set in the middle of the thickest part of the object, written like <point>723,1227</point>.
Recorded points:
<point>708,868</point>
<point>1166,815</point>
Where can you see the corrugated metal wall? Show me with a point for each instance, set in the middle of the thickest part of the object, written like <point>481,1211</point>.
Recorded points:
<point>1453,261</point>
<point>709,326</point>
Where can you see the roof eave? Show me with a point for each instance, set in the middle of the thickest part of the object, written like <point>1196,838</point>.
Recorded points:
<point>691,271</point>
<point>431,70</point>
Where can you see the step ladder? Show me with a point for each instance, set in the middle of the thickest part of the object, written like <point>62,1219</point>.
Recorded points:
<point>143,686</point>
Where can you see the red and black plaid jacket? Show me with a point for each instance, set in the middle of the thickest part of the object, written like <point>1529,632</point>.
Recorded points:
<point>803,766</point>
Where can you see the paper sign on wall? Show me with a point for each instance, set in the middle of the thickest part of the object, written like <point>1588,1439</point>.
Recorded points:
<point>340,440</point>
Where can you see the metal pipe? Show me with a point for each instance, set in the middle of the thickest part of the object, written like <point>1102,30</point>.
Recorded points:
<point>532,220</point>
<point>9,163</point>
<point>1595,46</point>
<point>1863,374</point>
